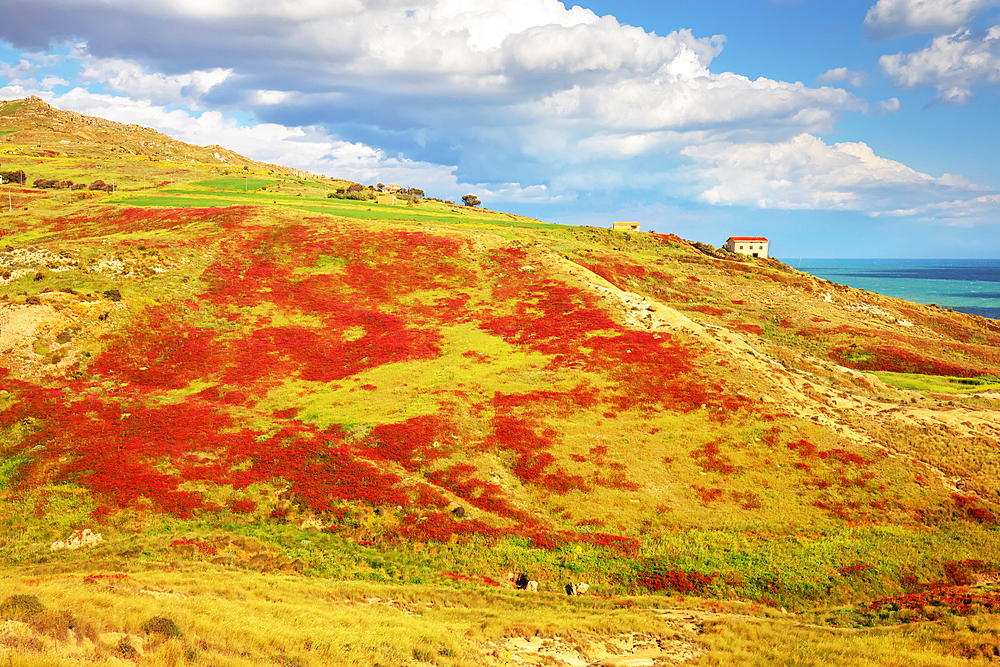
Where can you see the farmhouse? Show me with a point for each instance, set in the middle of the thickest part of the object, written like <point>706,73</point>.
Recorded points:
<point>383,198</point>
<point>748,245</point>
<point>626,226</point>
<point>392,189</point>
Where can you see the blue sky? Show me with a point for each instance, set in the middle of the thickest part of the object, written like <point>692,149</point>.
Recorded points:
<point>847,129</point>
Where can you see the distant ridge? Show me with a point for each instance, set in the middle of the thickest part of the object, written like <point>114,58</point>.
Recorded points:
<point>34,123</point>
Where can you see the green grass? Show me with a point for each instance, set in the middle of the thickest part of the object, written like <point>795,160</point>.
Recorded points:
<point>372,211</point>
<point>939,383</point>
<point>9,467</point>
<point>10,108</point>
<point>235,184</point>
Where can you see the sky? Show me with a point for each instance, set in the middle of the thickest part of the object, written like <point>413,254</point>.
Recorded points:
<point>836,129</point>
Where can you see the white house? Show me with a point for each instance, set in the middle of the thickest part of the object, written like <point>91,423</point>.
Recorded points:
<point>748,245</point>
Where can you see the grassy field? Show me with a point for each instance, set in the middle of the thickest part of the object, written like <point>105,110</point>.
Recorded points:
<point>235,184</point>
<point>204,616</point>
<point>939,383</point>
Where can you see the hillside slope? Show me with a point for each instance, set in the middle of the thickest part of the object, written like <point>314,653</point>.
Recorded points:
<point>275,381</point>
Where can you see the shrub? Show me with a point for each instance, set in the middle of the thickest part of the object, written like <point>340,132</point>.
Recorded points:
<point>161,625</point>
<point>20,607</point>
<point>18,177</point>
<point>49,183</point>
<point>656,577</point>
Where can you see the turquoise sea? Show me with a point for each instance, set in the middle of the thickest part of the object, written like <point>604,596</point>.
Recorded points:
<point>967,285</point>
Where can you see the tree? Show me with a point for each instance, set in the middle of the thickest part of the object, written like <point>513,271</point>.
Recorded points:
<point>471,200</point>
<point>18,177</point>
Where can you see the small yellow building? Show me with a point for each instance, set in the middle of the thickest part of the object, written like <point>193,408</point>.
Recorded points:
<point>755,246</point>
<point>626,226</point>
<point>388,199</point>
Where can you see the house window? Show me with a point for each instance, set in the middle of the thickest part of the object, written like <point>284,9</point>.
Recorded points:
<point>741,247</point>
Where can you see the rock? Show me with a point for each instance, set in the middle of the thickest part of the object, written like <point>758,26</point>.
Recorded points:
<point>577,589</point>
<point>459,512</point>
<point>79,538</point>
<point>531,587</point>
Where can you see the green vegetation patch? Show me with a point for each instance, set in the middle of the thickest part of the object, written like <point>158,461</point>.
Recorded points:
<point>9,467</point>
<point>939,383</point>
<point>235,184</point>
<point>10,108</point>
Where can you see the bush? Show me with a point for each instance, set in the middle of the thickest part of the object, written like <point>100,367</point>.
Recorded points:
<point>20,607</point>
<point>18,177</point>
<point>360,194</point>
<point>161,625</point>
<point>50,183</point>
<point>101,185</point>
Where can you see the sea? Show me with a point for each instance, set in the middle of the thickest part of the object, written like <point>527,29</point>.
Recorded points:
<point>965,285</point>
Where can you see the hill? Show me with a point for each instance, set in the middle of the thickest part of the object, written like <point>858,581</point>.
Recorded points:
<point>273,405</point>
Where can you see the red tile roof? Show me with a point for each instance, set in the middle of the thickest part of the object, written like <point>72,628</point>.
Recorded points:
<point>751,239</point>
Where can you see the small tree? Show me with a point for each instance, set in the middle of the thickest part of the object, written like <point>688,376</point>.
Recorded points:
<point>18,177</point>
<point>471,200</point>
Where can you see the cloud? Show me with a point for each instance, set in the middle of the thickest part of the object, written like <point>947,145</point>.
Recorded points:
<point>50,82</point>
<point>892,18</point>
<point>404,63</point>
<point>953,64</point>
<point>890,105</point>
<point>128,77</point>
<point>806,173</point>
<point>852,77</point>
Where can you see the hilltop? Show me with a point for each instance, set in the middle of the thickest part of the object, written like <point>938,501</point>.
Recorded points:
<point>398,413</point>
<point>35,128</point>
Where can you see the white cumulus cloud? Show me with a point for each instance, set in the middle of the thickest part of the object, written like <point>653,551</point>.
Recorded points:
<point>131,79</point>
<point>891,105</point>
<point>890,18</point>
<point>806,173</point>
<point>853,77</point>
<point>953,64</point>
